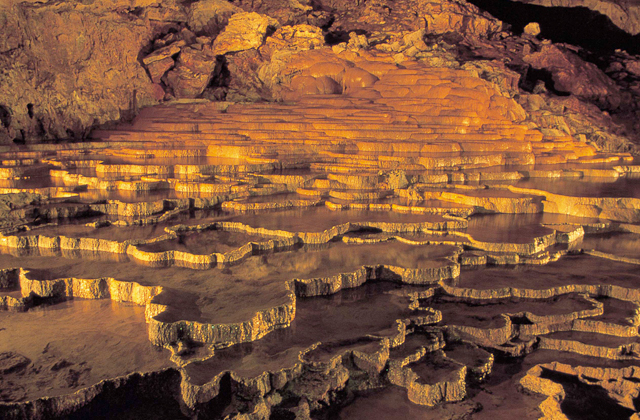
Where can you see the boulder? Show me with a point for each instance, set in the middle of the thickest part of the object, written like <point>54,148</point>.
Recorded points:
<point>244,84</point>
<point>164,53</point>
<point>298,37</point>
<point>161,60</point>
<point>244,31</point>
<point>532,29</point>
<point>157,69</point>
<point>633,67</point>
<point>192,73</point>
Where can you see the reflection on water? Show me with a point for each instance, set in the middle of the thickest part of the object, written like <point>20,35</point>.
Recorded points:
<point>571,269</point>
<point>235,293</point>
<point>586,187</point>
<point>76,344</point>
<point>487,314</point>
<point>507,228</point>
<point>621,244</point>
<point>65,346</point>
<point>318,219</point>
<point>204,242</point>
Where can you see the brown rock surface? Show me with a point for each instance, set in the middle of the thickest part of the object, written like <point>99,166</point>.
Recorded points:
<point>62,72</point>
<point>192,73</point>
<point>244,31</point>
<point>532,29</point>
<point>158,68</point>
<point>460,17</point>
<point>572,74</point>
<point>210,16</point>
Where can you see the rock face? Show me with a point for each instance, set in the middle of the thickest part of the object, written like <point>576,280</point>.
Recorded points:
<point>62,72</point>
<point>460,17</point>
<point>574,75</point>
<point>192,73</point>
<point>209,17</point>
<point>244,31</point>
<point>361,186</point>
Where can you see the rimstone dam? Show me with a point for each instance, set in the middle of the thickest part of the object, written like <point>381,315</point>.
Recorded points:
<point>329,209</point>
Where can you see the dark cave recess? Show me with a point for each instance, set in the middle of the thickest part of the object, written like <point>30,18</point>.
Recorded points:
<point>578,26</point>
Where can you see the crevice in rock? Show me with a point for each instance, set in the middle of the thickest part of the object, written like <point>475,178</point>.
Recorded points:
<point>151,395</point>
<point>340,35</point>
<point>219,85</point>
<point>532,79</point>
<point>5,116</point>
<point>215,408</point>
<point>20,139</point>
<point>40,130</point>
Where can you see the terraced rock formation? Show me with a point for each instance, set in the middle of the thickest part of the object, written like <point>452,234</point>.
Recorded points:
<point>399,232</point>
<point>408,229</point>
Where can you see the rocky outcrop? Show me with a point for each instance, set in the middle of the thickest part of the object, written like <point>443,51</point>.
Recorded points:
<point>619,384</point>
<point>458,17</point>
<point>417,276</point>
<point>451,388</point>
<point>209,17</point>
<point>192,73</point>
<point>380,117</point>
<point>67,67</point>
<point>244,31</point>
<point>196,51</point>
<point>571,74</point>
<point>577,118</point>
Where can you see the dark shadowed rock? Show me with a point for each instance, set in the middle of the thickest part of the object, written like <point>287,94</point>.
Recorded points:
<point>12,362</point>
<point>573,75</point>
<point>192,73</point>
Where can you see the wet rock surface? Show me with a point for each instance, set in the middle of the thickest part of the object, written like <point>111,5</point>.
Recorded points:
<point>337,211</point>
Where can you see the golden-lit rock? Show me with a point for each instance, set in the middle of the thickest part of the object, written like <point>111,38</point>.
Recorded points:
<point>94,54</point>
<point>532,29</point>
<point>464,18</point>
<point>192,73</point>
<point>243,32</point>
<point>300,37</point>
<point>309,85</point>
<point>442,214</point>
<point>210,16</point>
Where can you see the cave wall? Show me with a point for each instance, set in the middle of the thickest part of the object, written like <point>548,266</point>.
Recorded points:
<point>67,66</point>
